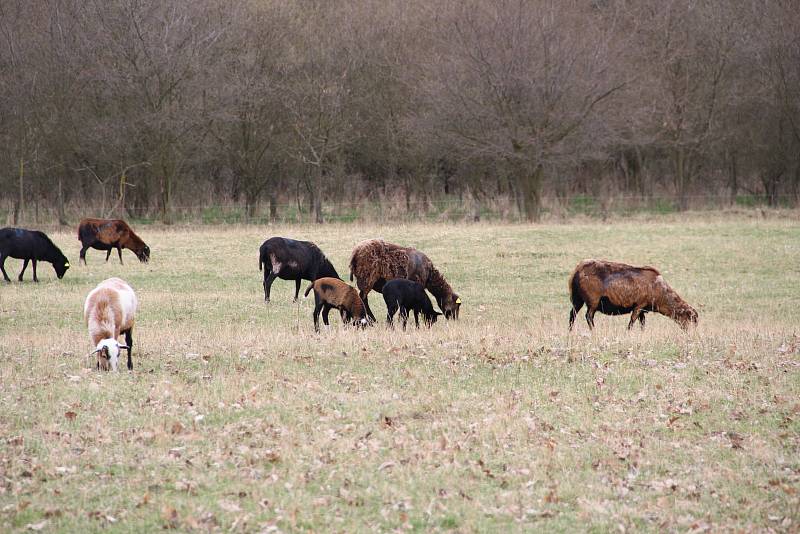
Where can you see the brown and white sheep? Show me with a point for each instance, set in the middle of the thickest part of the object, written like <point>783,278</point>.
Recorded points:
<point>616,289</point>
<point>110,310</point>
<point>333,293</point>
<point>374,262</point>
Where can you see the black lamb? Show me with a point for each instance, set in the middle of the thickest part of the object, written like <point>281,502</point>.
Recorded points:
<point>407,295</point>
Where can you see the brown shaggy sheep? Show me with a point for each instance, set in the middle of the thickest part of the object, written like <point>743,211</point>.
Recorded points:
<point>617,288</point>
<point>374,262</point>
<point>333,293</point>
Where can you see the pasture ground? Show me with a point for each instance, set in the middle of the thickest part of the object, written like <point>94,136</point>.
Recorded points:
<point>237,417</point>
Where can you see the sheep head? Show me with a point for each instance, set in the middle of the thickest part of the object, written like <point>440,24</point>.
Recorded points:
<point>108,354</point>
<point>143,254</point>
<point>450,305</point>
<point>685,315</point>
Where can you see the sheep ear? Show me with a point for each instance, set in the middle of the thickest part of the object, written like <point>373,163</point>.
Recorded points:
<point>458,300</point>
<point>123,347</point>
<point>94,352</point>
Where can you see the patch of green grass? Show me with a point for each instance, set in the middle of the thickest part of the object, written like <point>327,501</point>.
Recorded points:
<point>238,416</point>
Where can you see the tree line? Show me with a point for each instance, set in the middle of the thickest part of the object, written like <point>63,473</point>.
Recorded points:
<point>137,107</point>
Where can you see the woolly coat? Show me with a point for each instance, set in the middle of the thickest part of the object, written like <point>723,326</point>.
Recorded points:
<point>374,262</point>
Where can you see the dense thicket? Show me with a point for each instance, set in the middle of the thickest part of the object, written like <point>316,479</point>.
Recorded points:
<point>143,107</point>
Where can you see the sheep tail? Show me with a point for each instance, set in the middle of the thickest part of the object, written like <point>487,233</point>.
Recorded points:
<point>308,290</point>
<point>575,285</point>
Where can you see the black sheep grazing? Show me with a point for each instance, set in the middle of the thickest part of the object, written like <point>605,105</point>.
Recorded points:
<point>407,295</point>
<point>285,258</point>
<point>30,245</point>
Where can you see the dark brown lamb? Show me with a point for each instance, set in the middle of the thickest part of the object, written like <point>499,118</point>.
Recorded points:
<point>374,262</point>
<point>616,289</point>
<point>333,293</point>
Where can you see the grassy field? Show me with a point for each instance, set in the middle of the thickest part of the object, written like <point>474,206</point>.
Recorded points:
<point>238,417</point>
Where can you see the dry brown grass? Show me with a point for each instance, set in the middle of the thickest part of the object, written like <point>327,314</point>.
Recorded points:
<point>238,417</point>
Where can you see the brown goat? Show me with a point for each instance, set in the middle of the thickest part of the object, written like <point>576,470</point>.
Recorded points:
<point>109,234</point>
<point>374,262</point>
<point>617,289</point>
<point>333,293</point>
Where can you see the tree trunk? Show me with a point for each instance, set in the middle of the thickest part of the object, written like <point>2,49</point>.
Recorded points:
<point>273,206</point>
<point>733,178</point>
<point>796,183</point>
<point>408,193</point>
<point>316,194</point>
<point>249,209</point>
<point>251,196</point>
<point>771,181</point>
<point>640,171</point>
<point>166,200</point>
<point>681,179</point>
<point>317,208</point>
<point>62,217</point>
<point>476,205</point>
<point>531,188</point>
<point>21,198</point>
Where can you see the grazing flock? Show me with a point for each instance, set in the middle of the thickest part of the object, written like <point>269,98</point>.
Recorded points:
<point>401,274</point>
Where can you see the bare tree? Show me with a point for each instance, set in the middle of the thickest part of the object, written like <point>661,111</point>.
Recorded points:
<point>152,70</point>
<point>249,122</point>
<point>517,81</point>
<point>317,94</point>
<point>684,59</point>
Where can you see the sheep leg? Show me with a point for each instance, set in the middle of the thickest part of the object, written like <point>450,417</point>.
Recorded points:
<point>416,318</point>
<point>268,279</point>
<point>576,307</point>
<point>24,266</point>
<point>404,317</point>
<point>391,309</point>
<point>108,254</point>
<point>84,248</point>
<point>3,268</point>
<point>318,304</point>
<point>590,316</point>
<point>35,278</point>
<point>634,316</point>
<point>119,253</point>
<point>129,343</point>
<point>297,290</point>
<point>363,295</point>
<point>326,308</point>
<point>317,309</point>
<point>641,319</point>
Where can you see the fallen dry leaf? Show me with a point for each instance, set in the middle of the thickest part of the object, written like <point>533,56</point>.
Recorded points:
<point>736,440</point>
<point>70,415</point>
<point>144,501</point>
<point>170,516</point>
<point>36,526</point>
<point>229,506</point>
